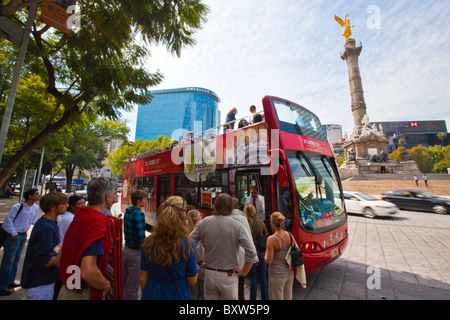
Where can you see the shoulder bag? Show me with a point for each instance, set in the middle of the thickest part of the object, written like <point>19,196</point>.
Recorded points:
<point>294,256</point>
<point>3,233</point>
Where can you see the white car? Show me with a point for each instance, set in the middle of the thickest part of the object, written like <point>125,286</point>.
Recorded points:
<point>370,207</point>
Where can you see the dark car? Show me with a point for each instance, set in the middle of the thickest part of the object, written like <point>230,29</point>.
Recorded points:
<point>416,200</point>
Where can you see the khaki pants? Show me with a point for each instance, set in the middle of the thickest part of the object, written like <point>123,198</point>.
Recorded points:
<point>221,285</point>
<point>281,288</point>
<point>67,294</point>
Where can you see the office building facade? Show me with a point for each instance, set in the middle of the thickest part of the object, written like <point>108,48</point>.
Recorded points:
<point>413,132</point>
<point>175,111</point>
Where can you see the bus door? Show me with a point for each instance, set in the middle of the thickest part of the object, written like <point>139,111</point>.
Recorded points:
<point>244,181</point>
<point>163,190</point>
<point>247,179</point>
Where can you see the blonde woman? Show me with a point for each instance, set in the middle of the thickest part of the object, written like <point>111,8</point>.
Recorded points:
<point>193,217</point>
<point>281,277</point>
<point>168,263</point>
<point>231,119</point>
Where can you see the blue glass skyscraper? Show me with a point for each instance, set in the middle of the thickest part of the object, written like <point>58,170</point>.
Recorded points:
<point>191,109</point>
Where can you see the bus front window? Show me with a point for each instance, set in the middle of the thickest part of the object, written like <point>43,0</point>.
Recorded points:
<point>315,185</point>
<point>303,121</point>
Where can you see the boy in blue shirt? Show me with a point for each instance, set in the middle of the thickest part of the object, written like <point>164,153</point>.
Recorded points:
<point>40,268</point>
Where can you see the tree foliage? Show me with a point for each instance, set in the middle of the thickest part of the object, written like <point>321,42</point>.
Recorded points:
<point>101,69</point>
<point>432,159</point>
<point>116,160</point>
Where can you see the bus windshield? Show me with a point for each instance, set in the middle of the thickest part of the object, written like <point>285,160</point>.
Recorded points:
<point>295,119</point>
<point>315,185</point>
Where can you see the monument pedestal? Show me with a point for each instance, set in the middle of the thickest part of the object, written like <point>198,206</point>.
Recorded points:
<point>367,155</point>
<point>364,167</point>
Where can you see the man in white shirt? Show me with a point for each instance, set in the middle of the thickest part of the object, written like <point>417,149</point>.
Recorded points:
<point>64,220</point>
<point>253,113</point>
<point>258,201</point>
<point>16,224</point>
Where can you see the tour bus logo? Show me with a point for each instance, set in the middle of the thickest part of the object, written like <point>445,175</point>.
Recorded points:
<point>201,155</point>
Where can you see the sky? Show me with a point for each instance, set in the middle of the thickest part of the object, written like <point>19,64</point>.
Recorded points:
<point>291,49</point>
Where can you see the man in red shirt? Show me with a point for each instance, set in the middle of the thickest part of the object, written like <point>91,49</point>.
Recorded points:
<point>87,245</point>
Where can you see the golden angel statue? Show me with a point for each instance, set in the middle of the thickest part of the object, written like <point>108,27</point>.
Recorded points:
<point>345,24</point>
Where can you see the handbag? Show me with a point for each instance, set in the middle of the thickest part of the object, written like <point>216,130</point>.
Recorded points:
<point>294,256</point>
<point>3,233</point>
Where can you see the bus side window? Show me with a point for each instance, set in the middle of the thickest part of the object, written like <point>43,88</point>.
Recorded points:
<point>148,186</point>
<point>215,184</point>
<point>286,205</point>
<point>186,189</point>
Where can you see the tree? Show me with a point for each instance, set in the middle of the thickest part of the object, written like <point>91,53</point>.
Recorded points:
<point>442,136</point>
<point>422,157</point>
<point>397,154</point>
<point>116,160</point>
<point>99,69</point>
<point>91,153</point>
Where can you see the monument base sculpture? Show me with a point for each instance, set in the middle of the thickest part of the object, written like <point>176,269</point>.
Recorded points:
<point>366,154</point>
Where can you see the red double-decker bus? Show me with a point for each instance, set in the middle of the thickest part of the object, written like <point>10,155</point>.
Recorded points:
<point>286,156</point>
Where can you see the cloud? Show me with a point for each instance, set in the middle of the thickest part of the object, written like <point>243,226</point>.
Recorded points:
<point>291,49</point>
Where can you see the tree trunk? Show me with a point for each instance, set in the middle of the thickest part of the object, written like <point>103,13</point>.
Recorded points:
<point>20,155</point>
<point>70,168</point>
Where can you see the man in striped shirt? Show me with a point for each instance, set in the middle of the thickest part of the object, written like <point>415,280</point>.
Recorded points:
<point>134,233</point>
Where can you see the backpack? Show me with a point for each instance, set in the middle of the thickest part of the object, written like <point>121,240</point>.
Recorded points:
<point>3,233</point>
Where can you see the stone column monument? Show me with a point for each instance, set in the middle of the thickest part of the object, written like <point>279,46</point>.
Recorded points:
<point>366,151</point>
<point>351,55</point>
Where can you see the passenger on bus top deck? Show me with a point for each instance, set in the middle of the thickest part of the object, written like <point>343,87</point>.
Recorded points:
<point>230,120</point>
<point>257,118</point>
<point>253,113</point>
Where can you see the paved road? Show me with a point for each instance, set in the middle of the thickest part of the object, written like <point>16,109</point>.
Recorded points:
<point>410,252</point>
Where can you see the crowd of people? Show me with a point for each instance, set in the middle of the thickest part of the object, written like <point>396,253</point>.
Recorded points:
<point>185,257</point>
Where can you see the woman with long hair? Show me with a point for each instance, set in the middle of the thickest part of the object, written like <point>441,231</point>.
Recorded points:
<point>257,227</point>
<point>168,264</point>
<point>281,276</point>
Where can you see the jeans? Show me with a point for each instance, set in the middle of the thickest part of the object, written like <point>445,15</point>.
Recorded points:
<point>11,256</point>
<point>259,269</point>
<point>131,269</point>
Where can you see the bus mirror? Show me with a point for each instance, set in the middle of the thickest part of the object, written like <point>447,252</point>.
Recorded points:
<point>282,176</point>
